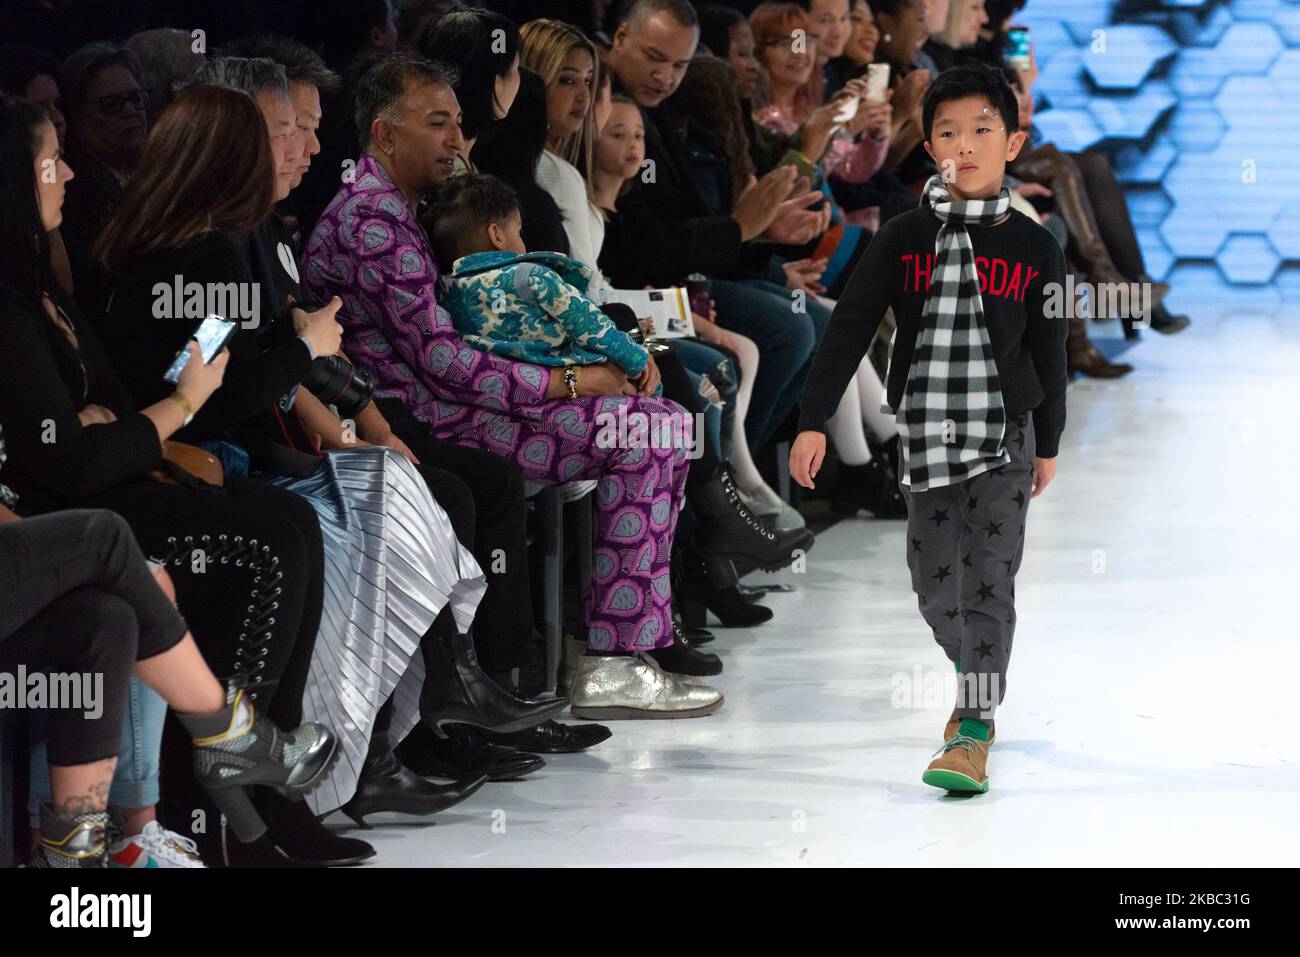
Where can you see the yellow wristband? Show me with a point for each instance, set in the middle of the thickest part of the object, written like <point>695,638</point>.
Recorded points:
<point>179,398</point>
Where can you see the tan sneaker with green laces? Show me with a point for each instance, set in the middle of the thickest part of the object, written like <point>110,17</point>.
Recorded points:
<point>961,766</point>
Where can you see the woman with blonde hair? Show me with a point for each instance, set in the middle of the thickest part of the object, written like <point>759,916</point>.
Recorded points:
<point>569,66</point>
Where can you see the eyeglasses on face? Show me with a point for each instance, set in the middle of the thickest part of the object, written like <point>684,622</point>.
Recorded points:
<point>113,104</point>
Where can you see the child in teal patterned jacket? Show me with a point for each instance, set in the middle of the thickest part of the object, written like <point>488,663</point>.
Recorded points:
<point>526,306</point>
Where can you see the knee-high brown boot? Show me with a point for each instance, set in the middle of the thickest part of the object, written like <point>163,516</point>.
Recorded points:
<point>1082,356</point>
<point>1052,168</point>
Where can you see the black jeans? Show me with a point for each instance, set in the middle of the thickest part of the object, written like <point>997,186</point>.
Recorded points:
<point>483,494</point>
<point>79,598</point>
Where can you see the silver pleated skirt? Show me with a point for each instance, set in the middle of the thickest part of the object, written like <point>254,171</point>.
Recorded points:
<point>392,563</point>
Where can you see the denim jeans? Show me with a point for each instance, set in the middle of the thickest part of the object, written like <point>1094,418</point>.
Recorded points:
<point>786,332</point>
<point>699,359</point>
<point>135,782</point>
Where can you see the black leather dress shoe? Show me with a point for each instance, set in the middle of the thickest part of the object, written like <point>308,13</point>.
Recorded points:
<point>552,737</point>
<point>464,753</point>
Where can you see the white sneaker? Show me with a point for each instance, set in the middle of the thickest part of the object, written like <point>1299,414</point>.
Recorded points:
<point>155,846</point>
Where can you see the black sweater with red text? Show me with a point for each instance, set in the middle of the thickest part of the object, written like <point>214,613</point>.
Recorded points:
<point>1018,262</point>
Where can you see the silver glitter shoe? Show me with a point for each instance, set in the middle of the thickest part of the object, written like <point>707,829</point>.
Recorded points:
<point>614,687</point>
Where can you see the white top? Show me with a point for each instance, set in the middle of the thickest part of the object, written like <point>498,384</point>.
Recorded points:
<point>583,223</point>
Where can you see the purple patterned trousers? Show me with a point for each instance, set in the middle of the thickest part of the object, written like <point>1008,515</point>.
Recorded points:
<point>640,476</point>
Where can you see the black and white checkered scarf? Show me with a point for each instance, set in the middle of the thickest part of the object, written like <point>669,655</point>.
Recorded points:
<point>7,497</point>
<point>951,419</point>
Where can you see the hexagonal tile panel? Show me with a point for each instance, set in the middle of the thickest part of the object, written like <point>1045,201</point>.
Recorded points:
<point>1248,258</point>
<point>1136,165</point>
<point>1070,130</point>
<point>1201,137</point>
<point>1125,54</point>
<point>1131,117</point>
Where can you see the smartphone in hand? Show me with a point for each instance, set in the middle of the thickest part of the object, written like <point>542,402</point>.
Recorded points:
<point>213,334</point>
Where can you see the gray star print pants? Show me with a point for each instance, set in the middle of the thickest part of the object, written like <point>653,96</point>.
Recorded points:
<point>964,545</point>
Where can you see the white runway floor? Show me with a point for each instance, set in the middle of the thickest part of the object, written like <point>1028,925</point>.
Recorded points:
<point>1151,713</point>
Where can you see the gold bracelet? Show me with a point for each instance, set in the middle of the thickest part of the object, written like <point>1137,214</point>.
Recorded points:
<point>571,380</point>
<point>179,398</point>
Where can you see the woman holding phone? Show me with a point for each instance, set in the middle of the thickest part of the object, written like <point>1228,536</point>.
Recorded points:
<point>76,441</point>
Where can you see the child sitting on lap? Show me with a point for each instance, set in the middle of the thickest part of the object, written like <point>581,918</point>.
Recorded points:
<point>504,299</point>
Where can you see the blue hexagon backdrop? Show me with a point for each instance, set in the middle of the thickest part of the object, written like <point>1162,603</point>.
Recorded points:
<point>1197,102</point>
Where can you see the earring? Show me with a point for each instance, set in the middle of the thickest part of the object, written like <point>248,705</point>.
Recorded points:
<point>885,38</point>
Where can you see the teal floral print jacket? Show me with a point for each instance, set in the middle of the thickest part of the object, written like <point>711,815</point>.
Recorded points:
<point>532,307</point>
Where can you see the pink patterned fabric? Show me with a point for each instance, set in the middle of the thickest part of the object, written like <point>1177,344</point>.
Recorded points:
<point>370,250</point>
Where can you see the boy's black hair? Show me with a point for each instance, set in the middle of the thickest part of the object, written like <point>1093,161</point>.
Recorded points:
<point>971,79</point>
<point>462,208</point>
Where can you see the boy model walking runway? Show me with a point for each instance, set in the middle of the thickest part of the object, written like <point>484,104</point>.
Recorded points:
<point>976,382</point>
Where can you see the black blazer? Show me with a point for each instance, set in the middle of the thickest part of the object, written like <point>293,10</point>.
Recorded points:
<point>143,346</point>
<point>44,383</point>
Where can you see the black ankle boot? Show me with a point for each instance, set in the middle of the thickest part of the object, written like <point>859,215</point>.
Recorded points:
<point>457,691</point>
<point>698,590</point>
<point>387,785</point>
<point>295,831</point>
<point>728,530</point>
<point>682,658</point>
<point>234,748</point>
<point>873,487</point>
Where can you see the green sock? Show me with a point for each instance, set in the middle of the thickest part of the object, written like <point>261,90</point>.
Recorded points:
<point>974,728</point>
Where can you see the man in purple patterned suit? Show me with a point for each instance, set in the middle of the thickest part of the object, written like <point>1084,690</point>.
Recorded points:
<point>370,250</point>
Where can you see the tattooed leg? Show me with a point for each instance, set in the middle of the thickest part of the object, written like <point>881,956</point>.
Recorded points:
<point>81,788</point>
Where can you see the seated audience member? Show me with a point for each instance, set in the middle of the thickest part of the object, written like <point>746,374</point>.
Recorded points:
<point>80,598</point>
<point>55,381</point>
<point>829,22</point>
<point>406,119</point>
<point>167,59</point>
<point>34,76</point>
<point>106,100</point>
<point>852,155</point>
<point>482,49</point>
<point>522,305</point>
<point>511,150</point>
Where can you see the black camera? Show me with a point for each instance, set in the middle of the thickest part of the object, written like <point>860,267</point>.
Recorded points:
<point>333,379</point>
